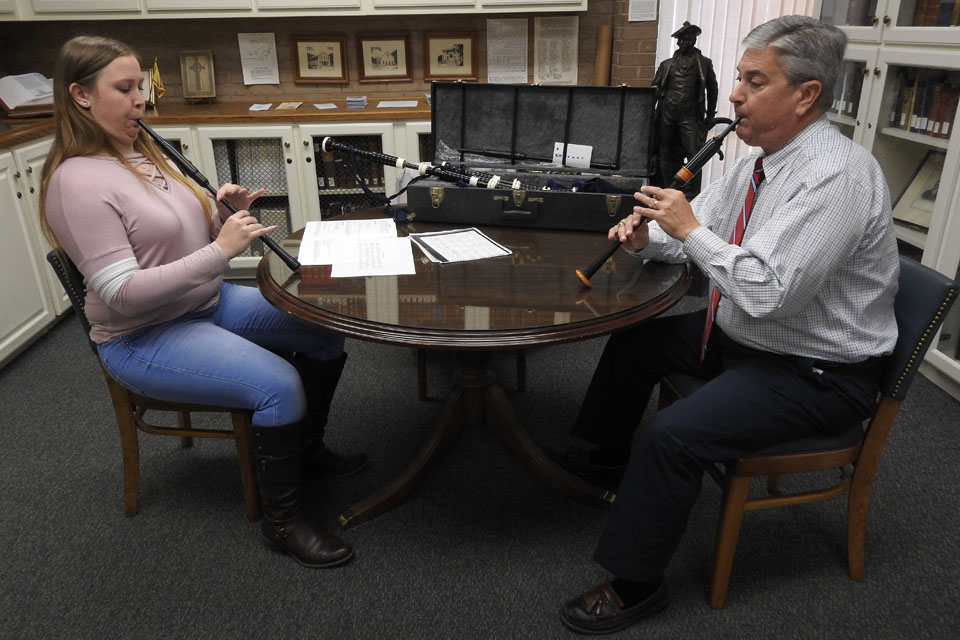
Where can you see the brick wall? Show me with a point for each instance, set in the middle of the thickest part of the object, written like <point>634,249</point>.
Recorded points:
<point>32,46</point>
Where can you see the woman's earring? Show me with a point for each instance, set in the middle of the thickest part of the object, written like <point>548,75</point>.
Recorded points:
<point>84,104</point>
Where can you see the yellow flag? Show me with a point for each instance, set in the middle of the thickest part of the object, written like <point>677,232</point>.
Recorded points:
<point>158,89</point>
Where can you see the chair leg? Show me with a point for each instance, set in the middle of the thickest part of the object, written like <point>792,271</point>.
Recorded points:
<point>728,533</point>
<point>858,503</point>
<point>183,421</point>
<point>129,445</point>
<point>248,477</point>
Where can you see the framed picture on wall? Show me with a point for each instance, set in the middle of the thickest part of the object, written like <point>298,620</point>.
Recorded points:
<point>450,56</point>
<point>384,58</point>
<point>319,60</point>
<point>196,70</point>
<point>915,205</point>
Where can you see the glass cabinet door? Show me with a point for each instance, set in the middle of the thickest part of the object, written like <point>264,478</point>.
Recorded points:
<point>911,137</point>
<point>256,157</point>
<point>336,181</point>
<point>852,92</point>
<point>861,19</point>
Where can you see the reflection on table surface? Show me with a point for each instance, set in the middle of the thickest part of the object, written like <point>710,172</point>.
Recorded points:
<point>534,288</point>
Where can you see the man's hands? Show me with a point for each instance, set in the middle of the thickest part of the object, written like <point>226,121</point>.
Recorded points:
<point>669,208</point>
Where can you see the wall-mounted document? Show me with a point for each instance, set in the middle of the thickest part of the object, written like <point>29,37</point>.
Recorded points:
<point>258,58</point>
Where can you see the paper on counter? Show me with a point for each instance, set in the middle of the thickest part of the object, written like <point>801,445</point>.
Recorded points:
<point>324,105</point>
<point>263,106</point>
<point>458,245</point>
<point>320,237</point>
<point>289,105</point>
<point>396,103</point>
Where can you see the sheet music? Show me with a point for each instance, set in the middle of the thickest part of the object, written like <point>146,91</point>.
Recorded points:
<point>320,237</point>
<point>458,245</point>
<point>372,257</point>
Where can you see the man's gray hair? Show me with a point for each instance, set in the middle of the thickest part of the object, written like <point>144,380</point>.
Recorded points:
<point>809,50</point>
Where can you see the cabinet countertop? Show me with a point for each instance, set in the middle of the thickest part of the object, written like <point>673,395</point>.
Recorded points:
<point>15,132</point>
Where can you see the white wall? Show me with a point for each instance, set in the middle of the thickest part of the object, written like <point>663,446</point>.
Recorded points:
<point>724,24</point>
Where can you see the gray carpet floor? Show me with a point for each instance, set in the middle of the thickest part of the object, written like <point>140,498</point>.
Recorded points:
<point>482,549</point>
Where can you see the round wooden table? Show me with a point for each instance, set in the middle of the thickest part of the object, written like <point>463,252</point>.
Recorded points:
<point>530,298</point>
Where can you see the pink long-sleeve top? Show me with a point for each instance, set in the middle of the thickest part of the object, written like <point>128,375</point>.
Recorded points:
<point>144,247</point>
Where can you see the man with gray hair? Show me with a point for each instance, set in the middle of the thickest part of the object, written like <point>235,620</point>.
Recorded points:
<point>797,241</point>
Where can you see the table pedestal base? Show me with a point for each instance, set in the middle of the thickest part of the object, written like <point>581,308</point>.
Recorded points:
<point>476,398</point>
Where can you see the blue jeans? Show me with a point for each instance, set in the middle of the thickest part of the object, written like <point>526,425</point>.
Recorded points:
<point>226,355</point>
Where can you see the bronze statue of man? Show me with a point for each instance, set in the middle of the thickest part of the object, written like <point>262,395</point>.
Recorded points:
<point>686,93</point>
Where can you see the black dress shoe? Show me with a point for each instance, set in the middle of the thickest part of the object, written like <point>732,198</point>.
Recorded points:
<point>582,463</point>
<point>324,463</point>
<point>601,611</point>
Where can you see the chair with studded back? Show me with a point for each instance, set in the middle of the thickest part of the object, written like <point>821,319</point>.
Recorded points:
<point>922,301</point>
<point>130,409</point>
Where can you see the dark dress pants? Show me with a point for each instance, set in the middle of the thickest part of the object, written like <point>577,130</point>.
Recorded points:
<point>753,400</point>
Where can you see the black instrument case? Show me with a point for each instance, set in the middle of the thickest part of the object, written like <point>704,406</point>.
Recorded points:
<point>513,131</point>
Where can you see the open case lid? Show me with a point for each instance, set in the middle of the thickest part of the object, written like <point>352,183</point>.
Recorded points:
<point>518,125</point>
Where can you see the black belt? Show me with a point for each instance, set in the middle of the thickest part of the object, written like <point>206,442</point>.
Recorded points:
<point>826,365</point>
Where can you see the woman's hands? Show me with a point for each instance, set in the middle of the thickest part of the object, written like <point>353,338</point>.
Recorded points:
<point>239,229</point>
<point>239,197</point>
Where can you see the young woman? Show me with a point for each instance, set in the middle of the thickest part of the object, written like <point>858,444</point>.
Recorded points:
<point>153,249</point>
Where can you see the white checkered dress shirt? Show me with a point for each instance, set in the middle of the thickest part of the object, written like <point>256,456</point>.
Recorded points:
<point>817,270</point>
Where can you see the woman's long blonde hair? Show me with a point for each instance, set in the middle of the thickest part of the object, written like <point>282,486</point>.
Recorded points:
<point>76,133</point>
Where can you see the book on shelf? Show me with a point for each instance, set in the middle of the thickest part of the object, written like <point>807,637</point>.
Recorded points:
<point>26,94</point>
<point>950,99</point>
<point>945,14</point>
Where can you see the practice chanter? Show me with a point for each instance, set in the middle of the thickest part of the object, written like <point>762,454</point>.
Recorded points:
<point>681,178</point>
<point>194,174</point>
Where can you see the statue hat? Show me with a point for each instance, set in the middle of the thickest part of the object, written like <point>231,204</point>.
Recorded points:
<point>687,30</point>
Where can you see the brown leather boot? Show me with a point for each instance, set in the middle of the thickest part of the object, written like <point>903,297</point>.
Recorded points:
<point>320,379</point>
<point>279,454</point>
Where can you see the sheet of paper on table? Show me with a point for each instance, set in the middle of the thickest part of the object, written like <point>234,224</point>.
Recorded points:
<point>356,247</point>
<point>458,245</point>
<point>372,257</point>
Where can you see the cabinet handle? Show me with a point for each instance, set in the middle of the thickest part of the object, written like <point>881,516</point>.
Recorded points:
<point>286,145</point>
<point>289,160</point>
<point>184,146</point>
<point>31,189</point>
<point>16,175</point>
<point>876,71</point>
<point>886,20</point>
<point>874,20</point>
<point>309,159</point>
<point>306,143</point>
<point>29,170</point>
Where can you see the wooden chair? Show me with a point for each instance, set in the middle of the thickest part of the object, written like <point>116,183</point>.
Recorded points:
<point>923,299</point>
<point>130,408</point>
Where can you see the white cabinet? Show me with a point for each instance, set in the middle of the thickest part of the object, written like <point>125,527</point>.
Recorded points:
<point>30,159</point>
<point>127,9</point>
<point>908,53</point>
<point>78,6</point>
<point>26,307</point>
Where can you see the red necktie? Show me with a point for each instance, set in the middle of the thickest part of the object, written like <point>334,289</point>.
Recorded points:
<point>735,238</point>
